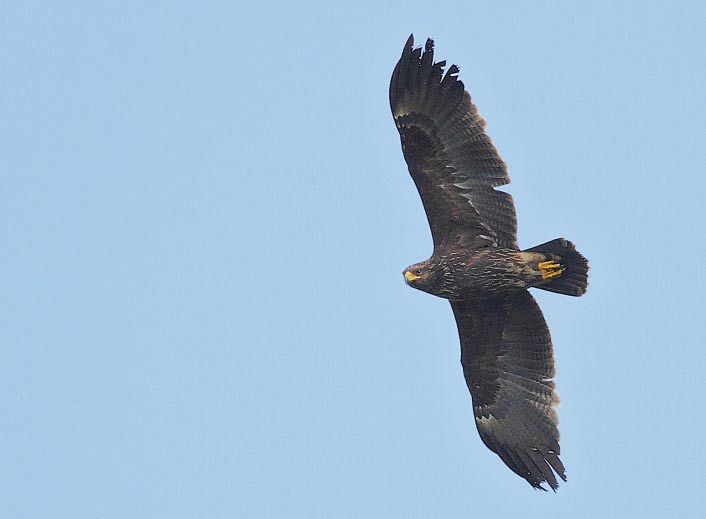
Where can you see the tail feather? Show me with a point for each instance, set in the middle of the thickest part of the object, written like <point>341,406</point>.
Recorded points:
<point>574,280</point>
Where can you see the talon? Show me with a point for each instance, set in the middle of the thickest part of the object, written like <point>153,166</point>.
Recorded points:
<point>550,269</point>
<point>551,273</point>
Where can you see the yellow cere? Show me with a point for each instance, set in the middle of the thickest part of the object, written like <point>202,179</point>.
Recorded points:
<point>409,276</point>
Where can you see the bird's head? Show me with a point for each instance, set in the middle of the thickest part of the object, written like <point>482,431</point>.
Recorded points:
<point>432,276</point>
<point>420,275</point>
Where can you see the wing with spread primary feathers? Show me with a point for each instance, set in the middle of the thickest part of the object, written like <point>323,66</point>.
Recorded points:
<point>452,161</point>
<point>508,363</point>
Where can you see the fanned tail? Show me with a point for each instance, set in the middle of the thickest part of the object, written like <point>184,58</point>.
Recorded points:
<point>573,281</point>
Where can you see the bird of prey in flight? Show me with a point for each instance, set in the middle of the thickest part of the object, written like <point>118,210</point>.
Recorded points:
<point>506,349</point>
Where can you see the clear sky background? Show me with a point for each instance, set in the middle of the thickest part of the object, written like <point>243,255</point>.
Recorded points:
<point>206,215</point>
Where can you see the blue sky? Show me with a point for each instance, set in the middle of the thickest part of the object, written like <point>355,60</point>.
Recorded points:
<point>206,214</point>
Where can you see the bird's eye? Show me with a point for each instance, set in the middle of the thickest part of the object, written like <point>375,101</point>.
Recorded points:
<point>418,272</point>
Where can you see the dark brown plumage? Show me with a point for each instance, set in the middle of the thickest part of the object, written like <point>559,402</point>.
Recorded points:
<point>506,349</point>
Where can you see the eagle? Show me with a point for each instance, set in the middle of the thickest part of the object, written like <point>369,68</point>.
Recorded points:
<point>477,265</point>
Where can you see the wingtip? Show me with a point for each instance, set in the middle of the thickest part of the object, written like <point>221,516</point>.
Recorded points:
<point>552,482</point>
<point>554,486</point>
<point>409,44</point>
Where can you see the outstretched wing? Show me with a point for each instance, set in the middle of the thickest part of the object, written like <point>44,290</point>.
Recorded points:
<point>452,161</point>
<point>508,363</point>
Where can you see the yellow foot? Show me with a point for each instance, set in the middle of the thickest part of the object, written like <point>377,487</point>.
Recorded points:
<point>550,269</point>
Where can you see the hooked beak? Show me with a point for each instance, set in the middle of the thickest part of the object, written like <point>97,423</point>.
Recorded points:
<point>409,277</point>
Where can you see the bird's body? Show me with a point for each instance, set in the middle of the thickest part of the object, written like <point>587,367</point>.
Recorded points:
<point>477,274</point>
<point>506,349</point>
